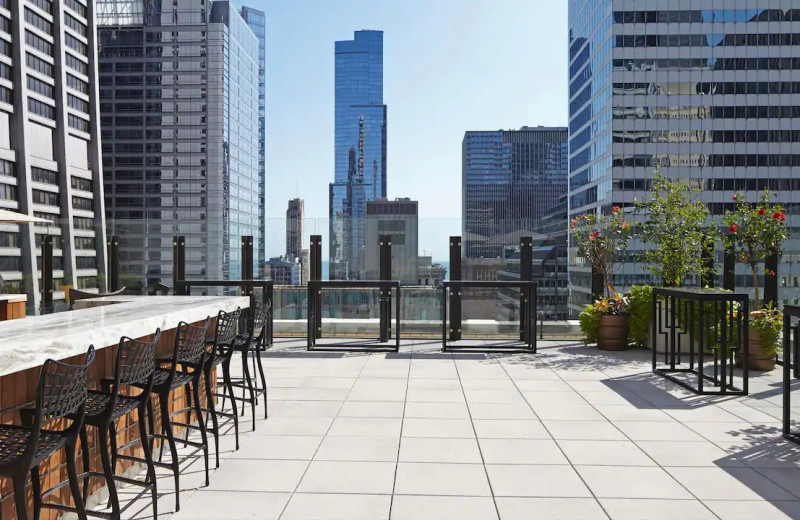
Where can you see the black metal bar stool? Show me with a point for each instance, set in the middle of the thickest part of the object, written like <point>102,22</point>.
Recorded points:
<point>190,352</point>
<point>134,365</point>
<point>61,395</point>
<point>221,352</point>
<point>251,343</point>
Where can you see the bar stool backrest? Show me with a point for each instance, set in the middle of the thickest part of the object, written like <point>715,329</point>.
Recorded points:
<point>62,389</point>
<point>261,311</point>
<point>227,327</point>
<point>136,360</point>
<point>190,342</point>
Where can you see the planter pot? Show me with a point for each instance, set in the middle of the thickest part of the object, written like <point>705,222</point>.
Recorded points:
<point>757,358</point>
<point>613,332</point>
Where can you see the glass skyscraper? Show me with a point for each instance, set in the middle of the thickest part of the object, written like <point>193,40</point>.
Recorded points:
<point>706,94</point>
<point>180,122</point>
<point>257,22</point>
<point>510,179</point>
<point>360,148</point>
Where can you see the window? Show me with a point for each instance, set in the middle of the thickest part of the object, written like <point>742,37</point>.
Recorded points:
<point>76,6</point>
<point>10,263</point>
<point>77,84</point>
<point>5,24</point>
<point>7,168</point>
<point>83,222</point>
<point>9,239</point>
<point>46,216</point>
<point>6,95</point>
<point>81,203</point>
<point>38,21</point>
<point>44,176</point>
<point>39,65</point>
<point>86,262</point>
<point>57,243</point>
<point>40,87</point>
<point>76,64</point>
<point>79,183</point>
<point>74,24</point>
<point>78,123</point>
<point>44,5</point>
<point>5,47</point>
<point>84,243</point>
<point>38,43</point>
<point>47,198</point>
<point>77,103</point>
<point>75,44</point>
<point>5,71</point>
<point>8,192</point>
<point>41,109</point>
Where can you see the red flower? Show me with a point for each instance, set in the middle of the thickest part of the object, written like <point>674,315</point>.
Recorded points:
<point>761,211</point>
<point>733,228</point>
<point>574,221</point>
<point>617,209</point>
<point>596,234</point>
<point>779,216</point>
<point>735,197</point>
<point>572,226</point>
<point>771,272</point>
<point>592,238</point>
<point>625,225</point>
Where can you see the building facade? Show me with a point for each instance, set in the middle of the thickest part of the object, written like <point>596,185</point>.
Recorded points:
<point>696,91</point>
<point>50,160</point>
<point>257,22</point>
<point>399,219</point>
<point>180,123</point>
<point>509,180</point>
<point>284,270</point>
<point>360,148</point>
<point>295,236</point>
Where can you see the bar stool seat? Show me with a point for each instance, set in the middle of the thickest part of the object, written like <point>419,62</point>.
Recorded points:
<point>15,439</point>
<point>97,404</point>
<point>181,378</point>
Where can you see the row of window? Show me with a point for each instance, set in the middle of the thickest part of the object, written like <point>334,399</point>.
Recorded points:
<point>9,239</point>
<point>75,44</point>
<point>77,84</point>
<point>5,47</point>
<point>81,203</point>
<point>83,223</point>
<point>44,5</point>
<point>707,136</point>
<point>5,24</point>
<point>75,24</point>
<point>740,112</point>
<point>8,192</point>
<point>76,64</point>
<point>707,88</point>
<point>84,243</point>
<point>79,183</point>
<point>707,40</point>
<point>7,168</point>
<point>78,103</point>
<point>40,87</point>
<point>5,71</point>
<point>6,96</point>
<point>38,21</point>
<point>41,109</point>
<point>706,160</point>
<point>38,43</point>
<point>38,64</point>
<point>776,185</point>
<point>675,64</point>
<point>708,15</point>
<point>78,123</point>
<point>76,6</point>
<point>86,262</point>
<point>44,176</point>
<point>47,198</point>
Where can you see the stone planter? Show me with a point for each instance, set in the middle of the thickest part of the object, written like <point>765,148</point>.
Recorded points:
<point>613,332</point>
<point>757,358</point>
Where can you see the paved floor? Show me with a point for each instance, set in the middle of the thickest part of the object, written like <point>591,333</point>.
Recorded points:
<point>568,433</point>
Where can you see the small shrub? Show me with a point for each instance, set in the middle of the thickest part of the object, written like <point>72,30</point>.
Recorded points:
<point>641,298</point>
<point>768,324</point>
<point>589,321</point>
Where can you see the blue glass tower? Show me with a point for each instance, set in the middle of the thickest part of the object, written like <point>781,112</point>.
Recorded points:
<point>360,148</point>
<point>257,22</point>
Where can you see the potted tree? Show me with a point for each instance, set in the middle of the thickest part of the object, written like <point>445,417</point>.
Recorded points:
<point>676,225</point>
<point>755,231</point>
<point>602,240</point>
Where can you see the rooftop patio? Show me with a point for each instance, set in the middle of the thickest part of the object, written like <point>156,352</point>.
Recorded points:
<point>570,432</point>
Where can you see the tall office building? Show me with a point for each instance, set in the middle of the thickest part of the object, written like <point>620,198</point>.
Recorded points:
<point>399,219</point>
<point>257,22</point>
<point>180,121</point>
<point>510,179</point>
<point>360,148</point>
<point>295,227</point>
<point>700,93</point>
<point>50,163</point>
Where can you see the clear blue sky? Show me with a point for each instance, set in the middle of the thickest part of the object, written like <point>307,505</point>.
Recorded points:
<point>449,66</point>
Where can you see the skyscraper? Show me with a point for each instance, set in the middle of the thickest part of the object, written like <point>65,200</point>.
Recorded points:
<point>180,119</point>
<point>295,227</point>
<point>50,163</point>
<point>257,22</point>
<point>510,179</point>
<point>360,148</point>
<point>701,93</point>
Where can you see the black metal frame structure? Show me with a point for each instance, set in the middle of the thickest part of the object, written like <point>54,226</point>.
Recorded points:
<point>713,323</point>
<point>791,366</point>
<point>183,288</point>
<point>314,329</point>
<point>527,315</point>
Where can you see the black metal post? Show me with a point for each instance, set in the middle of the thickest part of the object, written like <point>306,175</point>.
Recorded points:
<point>598,285</point>
<point>247,264</point>
<point>179,263</point>
<point>729,270</point>
<point>771,280</point>
<point>315,259</point>
<point>47,274</point>
<point>525,275</point>
<point>385,298</point>
<point>455,292</point>
<point>113,263</point>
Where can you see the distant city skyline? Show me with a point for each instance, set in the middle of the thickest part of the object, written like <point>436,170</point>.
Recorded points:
<point>436,87</point>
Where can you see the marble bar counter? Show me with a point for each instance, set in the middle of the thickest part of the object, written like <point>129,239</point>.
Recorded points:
<point>27,343</point>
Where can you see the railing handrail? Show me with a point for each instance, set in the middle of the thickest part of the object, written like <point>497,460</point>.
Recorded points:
<point>354,283</point>
<point>700,294</point>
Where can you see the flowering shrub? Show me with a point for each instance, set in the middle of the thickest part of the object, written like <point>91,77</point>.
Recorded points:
<point>768,324</point>
<point>755,231</point>
<point>602,241</point>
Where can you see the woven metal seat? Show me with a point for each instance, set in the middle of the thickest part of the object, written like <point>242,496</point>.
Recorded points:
<point>97,403</point>
<point>14,440</point>
<point>180,378</point>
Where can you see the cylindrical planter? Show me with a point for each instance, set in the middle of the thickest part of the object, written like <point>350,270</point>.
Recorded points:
<point>613,332</point>
<point>758,359</point>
